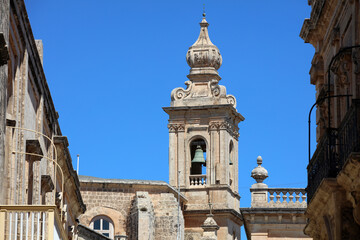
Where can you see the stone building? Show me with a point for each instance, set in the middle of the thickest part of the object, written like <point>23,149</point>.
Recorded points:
<point>203,164</point>
<point>136,209</point>
<point>333,171</point>
<point>275,213</point>
<point>41,196</point>
<point>39,189</point>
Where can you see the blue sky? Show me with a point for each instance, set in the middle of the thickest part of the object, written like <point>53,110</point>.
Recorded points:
<point>111,66</point>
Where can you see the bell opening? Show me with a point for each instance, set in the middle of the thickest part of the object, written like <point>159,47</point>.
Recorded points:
<point>198,157</point>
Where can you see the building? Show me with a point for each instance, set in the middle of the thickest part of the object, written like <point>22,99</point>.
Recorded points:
<point>41,196</point>
<point>39,189</point>
<point>275,213</point>
<point>203,163</point>
<point>333,171</point>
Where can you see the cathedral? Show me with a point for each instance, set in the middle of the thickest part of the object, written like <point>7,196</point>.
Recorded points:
<point>43,197</point>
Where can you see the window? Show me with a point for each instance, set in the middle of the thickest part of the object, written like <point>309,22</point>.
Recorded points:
<point>103,225</point>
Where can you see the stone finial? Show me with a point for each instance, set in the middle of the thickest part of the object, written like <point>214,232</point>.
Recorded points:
<point>259,173</point>
<point>210,228</point>
<point>203,56</point>
<point>203,87</point>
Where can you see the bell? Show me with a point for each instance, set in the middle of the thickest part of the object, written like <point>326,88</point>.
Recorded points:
<point>230,162</point>
<point>199,156</point>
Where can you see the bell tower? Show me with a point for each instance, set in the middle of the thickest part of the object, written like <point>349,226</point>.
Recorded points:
<point>203,143</point>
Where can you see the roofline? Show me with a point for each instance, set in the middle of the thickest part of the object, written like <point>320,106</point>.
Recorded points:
<point>115,181</point>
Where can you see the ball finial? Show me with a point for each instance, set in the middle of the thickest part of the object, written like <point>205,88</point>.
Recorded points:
<point>259,173</point>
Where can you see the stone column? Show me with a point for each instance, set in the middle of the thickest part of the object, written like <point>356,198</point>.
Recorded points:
<point>181,156</point>
<point>224,154</point>
<point>212,174</point>
<point>172,155</point>
<point>236,165</point>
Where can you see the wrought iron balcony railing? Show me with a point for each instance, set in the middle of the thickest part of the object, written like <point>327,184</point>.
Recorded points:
<point>334,149</point>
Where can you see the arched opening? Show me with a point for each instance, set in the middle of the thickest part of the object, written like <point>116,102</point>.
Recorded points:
<point>231,161</point>
<point>103,225</point>
<point>231,153</point>
<point>198,157</point>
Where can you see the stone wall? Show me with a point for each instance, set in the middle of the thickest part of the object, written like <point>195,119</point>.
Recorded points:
<point>129,203</point>
<point>4,30</point>
<point>141,220</point>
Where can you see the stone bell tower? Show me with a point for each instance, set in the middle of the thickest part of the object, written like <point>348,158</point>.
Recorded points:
<point>203,143</point>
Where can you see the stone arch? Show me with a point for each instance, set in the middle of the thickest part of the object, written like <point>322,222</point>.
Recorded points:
<point>117,218</point>
<point>193,143</point>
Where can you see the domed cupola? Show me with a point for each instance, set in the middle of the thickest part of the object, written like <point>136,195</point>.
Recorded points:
<point>203,56</point>
<point>203,86</point>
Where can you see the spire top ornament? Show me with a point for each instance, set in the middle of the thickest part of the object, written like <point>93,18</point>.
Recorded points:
<point>203,56</point>
<point>259,173</point>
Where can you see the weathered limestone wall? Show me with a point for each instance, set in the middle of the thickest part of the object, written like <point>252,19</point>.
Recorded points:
<point>26,103</point>
<point>166,212</point>
<point>4,29</point>
<point>141,218</point>
<point>123,204</point>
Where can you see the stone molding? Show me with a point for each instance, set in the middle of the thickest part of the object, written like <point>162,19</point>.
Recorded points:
<point>175,128</point>
<point>310,24</point>
<point>225,125</point>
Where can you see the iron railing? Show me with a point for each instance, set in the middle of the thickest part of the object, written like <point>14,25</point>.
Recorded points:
<point>333,149</point>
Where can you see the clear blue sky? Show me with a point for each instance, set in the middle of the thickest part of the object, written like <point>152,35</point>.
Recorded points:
<point>111,66</point>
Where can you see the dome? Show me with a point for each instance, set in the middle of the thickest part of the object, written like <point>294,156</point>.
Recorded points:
<point>259,173</point>
<point>203,53</point>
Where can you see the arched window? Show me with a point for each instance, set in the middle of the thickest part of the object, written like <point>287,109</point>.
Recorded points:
<point>103,225</point>
<point>198,157</point>
<point>231,153</point>
<point>231,161</point>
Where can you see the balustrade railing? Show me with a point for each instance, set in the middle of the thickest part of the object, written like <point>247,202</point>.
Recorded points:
<point>278,198</point>
<point>334,149</point>
<point>197,180</point>
<point>30,222</point>
<point>287,197</point>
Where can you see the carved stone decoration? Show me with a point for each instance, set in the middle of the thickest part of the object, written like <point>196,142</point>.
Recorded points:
<point>342,68</point>
<point>175,128</point>
<point>225,125</point>
<point>356,60</point>
<point>203,53</point>
<point>181,93</point>
<point>214,126</point>
<point>203,87</point>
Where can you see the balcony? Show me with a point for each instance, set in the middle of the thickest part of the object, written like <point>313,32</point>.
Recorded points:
<point>334,149</point>
<point>30,222</point>
<point>197,180</point>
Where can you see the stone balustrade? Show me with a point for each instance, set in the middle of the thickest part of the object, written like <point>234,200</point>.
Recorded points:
<point>278,197</point>
<point>197,180</point>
